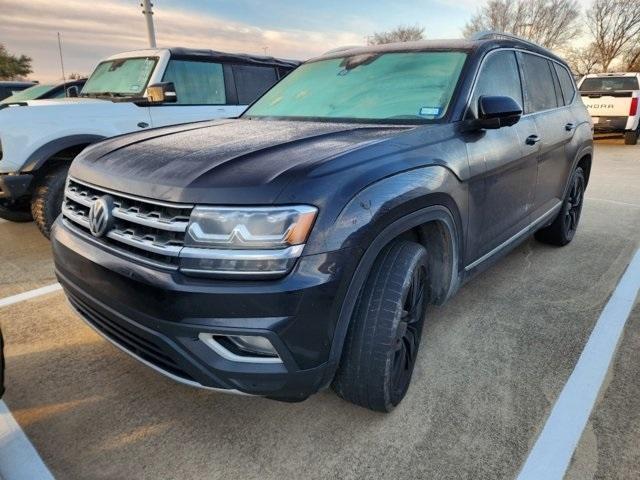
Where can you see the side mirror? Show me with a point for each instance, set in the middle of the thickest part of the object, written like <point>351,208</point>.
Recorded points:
<point>73,91</point>
<point>164,92</point>
<point>497,112</point>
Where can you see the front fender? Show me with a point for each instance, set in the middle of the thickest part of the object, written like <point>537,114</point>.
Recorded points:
<point>38,158</point>
<point>387,200</point>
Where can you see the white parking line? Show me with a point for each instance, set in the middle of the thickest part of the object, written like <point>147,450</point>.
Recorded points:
<point>21,297</point>
<point>18,459</point>
<point>552,452</point>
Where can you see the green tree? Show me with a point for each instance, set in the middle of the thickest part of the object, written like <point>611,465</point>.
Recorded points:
<point>12,66</point>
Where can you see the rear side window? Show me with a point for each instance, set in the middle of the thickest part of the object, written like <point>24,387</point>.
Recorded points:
<point>566,84</point>
<point>197,83</point>
<point>540,92</point>
<point>499,76</point>
<point>252,81</point>
<point>606,84</point>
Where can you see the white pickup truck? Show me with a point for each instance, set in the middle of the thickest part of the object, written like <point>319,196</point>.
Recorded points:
<point>612,100</point>
<point>127,92</point>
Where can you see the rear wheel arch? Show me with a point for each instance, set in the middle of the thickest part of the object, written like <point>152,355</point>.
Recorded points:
<point>435,228</point>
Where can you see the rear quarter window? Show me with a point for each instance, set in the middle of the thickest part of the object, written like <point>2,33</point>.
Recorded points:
<point>252,81</point>
<point>566,84</point>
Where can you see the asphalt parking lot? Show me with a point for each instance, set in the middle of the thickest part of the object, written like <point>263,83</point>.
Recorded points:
<point>492,364</point>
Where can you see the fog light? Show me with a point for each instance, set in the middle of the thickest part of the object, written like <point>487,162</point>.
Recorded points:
<point>253,344</point>
<point>259,349</point>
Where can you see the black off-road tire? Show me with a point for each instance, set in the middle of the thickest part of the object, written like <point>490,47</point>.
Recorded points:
<point>384,334</point>
<point>46,202</point>
<point>564,227</point>
<point>631,137</point>
<point>16,214</point>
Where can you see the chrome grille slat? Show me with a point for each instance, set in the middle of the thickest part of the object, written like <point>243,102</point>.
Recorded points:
<point>143,228</point>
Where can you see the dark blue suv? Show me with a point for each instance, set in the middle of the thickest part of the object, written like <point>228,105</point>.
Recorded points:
<point>298,246</point>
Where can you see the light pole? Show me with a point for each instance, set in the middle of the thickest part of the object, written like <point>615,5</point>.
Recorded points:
<point>147,11</point>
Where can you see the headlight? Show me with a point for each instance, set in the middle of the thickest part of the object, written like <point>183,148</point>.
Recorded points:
<point>238,241</point>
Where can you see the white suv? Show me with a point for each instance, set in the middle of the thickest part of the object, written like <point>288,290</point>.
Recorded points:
<point>127,92</point>
<point>612,101</point>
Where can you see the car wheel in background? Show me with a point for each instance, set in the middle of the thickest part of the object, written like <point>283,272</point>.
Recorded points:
<point>46,203</point>
<point>16,214</point>
<point>631,137</point>
<point>384,334</point>
<point>564,227</point>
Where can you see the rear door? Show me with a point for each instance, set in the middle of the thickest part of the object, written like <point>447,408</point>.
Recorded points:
<point>203,93</point>
<point>544,102</point>
<point>502,191</point>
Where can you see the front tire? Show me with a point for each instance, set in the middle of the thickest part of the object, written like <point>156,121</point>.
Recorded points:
<point>383,339</point>
<point>564,227</point>
<point>46,203</point>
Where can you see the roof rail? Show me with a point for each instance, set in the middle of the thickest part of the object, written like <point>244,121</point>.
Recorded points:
<point>492,34</point>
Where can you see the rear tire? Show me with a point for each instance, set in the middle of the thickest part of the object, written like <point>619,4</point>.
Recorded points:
<point>46,203</point>
<point>631,138</point>
<point>384,335</point>
<point>564,227</point>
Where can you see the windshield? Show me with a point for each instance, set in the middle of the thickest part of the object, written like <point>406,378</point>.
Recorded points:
<point>28,94</point>
<point>122,77</point>
<point>415,86</point>
<point>604,84</point>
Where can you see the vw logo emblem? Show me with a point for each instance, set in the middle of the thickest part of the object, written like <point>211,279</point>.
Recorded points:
<point>100,218</point>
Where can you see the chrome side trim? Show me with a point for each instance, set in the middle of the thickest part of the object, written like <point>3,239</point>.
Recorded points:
<point>526,230</point>
<point>209,341</point>
<point>170,375</point>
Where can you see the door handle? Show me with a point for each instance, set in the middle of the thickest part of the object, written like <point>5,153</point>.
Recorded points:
<point>532,139</point>
<point>143,124</point>
<point>569,126</point>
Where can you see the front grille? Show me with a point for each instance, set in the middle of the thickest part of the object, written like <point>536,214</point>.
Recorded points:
<point>128,339</point>
<point>149,230</point>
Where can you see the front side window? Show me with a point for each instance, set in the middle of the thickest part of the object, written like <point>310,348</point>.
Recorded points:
<point>399,86</point>
<point>540,92</point>
<point>609,84</point>
<point>197,83</point>
<point>121,77</point>
<point>499,77</point>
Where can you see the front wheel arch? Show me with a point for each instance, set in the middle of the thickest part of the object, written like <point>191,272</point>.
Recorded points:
<point>430,224</point>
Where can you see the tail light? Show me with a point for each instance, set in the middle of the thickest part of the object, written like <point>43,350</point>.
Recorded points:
<point>634,107</point>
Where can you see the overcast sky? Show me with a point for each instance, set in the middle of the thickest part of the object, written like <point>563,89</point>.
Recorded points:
<point>93,29</point>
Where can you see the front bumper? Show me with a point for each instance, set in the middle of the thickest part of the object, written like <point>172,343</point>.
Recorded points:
<point>14,186</point>
<point>157,316</point>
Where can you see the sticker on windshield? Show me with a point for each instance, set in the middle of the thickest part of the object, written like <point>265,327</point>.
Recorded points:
<point>135,87</point>
<point>430,111</point>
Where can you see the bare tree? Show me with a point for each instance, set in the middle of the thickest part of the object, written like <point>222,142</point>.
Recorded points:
<point>631,58</point>
<point>402,33</point>
<point>613,24</point>
<point>550,23</point>
<point>583,60</point>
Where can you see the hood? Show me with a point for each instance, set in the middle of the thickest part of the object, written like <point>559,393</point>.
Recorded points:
<point>224,162</point>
